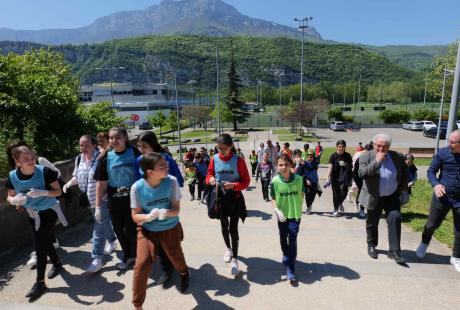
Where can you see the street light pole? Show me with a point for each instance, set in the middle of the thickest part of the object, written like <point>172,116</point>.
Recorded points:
<point>438,133</point>
<point>178,118</point>
<point>217,93</point>
<point>303,24</point>
<point>454,98</point>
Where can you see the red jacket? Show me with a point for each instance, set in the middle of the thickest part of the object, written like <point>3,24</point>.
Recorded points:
<point>244,181</point>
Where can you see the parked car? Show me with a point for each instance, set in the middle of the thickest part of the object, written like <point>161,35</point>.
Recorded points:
<point>433,131</point>
<point>413,125</point>
<point>337,126</point>
<point>427,124</point>
<point>145,126</point>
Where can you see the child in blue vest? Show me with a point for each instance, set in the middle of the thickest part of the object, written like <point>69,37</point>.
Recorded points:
<point>35,188</point>
<point>202,169</point>
<point>155,204</point>
<point>309,173</point>
<point>231,172</point>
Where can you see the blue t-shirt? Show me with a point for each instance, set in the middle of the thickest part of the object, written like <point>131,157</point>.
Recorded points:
<point>148,198</point>
<point>226,171</point>
<point>121,168</point>
<point>173,168</point>
<point>36,182</point>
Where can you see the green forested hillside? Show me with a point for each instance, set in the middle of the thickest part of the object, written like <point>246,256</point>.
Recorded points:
<point>149,58</point>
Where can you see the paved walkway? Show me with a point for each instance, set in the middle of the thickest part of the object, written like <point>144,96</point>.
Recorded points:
<point>333,268</point>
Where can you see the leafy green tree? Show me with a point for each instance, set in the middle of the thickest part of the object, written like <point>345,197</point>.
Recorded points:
<point>232,99</point>
<point>335,113</point>
<point>158,120</point>
<point>425,114</point>
<point>395,116</point>
<point>99,117</point>
<point>39,101</point>
<point>225,114</point>
<point>436,74</point>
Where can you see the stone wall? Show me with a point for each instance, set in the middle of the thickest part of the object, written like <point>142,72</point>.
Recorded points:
<point>15,230</point>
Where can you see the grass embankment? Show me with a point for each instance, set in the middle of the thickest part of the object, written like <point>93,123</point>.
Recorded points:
<point>415,213</point>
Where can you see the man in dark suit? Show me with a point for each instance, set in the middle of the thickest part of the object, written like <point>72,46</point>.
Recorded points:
<point>385,176</point>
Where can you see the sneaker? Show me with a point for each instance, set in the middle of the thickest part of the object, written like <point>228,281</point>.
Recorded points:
<point>308,210</point>
<point>192,198</point>
<point>284,260</point>
<point>125,263</point>
<point>95,266</point>
<point>199,198</point>
<point>56,244</point>
<point>290,276</point>
<point>32,260</point>
<point>184,282</point>
<point>455,261</point>
<point>341,208</point>
<point>421,250</point>
<point>110,247</point>
<point>362,214</point>
<point>55,271</point>
<point>335,213</point>
<point>235,267</point>
<point>228,255</point>
<point>37,290</point>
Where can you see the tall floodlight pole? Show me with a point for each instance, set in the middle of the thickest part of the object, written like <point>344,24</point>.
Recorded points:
<point>178,117</point>
<point>217,93</point>
<point>454,99</point>
<point>438,133</point>
<point>303,24</point>
<point>279,90</point>
<point>424,95</point>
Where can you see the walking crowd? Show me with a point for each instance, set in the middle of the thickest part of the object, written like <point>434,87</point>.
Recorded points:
<point>134,194</point>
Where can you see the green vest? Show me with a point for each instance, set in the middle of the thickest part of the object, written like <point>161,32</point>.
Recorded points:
<point>289,195</point>
<point>304,155</point>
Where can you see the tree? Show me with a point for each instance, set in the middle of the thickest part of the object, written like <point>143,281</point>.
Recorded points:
<point>38,103</point>
<point>436,74</point>
<point>335,113</point>
<point>225,113</point>
<point>158,120</point>
<point>232,99</point>
<point>99,117</point>
<point>198,114</point>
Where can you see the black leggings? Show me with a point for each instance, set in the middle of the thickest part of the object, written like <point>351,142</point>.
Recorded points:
<point>43,239</point>
<point>265,184</point>
<point>123,225</point>
<point>230,229</point>
<point>339,193</point>
<point>310,194</point>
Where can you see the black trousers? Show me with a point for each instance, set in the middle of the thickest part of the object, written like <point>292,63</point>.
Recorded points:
<point>339,193</point>
<point>310,194</point>
<point>123,225</point>
<point>191,188</point>
<point>253,168</point>
<point>392,207</point>
<point>438,211</point>
<point>43,239</point>
<point>200,184</point>
<point>265,183</point>
<point>229,225</point>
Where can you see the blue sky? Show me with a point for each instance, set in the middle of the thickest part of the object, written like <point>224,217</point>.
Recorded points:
<point>377,22</point>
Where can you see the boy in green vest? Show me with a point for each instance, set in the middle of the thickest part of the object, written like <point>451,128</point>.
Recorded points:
<point>287,192</point>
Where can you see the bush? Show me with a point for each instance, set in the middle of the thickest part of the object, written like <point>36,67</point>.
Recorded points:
<point>335,113</point>
<point>394,116</point>
<point>425,115</point>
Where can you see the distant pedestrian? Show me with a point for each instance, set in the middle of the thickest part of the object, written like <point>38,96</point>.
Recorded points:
<point>240,153</point>
<point>202,170</point>
<point>287,193</point>
<point>446,195</point>
<point>318,152</point>
<point>409,159</point>
<point>260,152</point>
<point>253,161</point>
<point>309,173</point>
<point>271,150</point>
<point>339,176</point>
<point>264,172</point>
<point>191,178</point>
<point>286,150</point>
<point>360,147</point>
<point>305,149</point>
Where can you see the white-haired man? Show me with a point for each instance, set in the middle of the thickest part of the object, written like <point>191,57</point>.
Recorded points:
<point>385,177</point>
<point>446,195</point>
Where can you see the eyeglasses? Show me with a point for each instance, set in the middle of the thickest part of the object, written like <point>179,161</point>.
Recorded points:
<point>452,142</point>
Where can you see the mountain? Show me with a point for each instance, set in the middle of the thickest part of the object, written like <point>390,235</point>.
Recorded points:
<point>149,58</point>
<point>410,56</point>
<point>200,17</point>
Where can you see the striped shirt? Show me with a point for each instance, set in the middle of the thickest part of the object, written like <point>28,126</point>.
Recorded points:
<point>85,176</point>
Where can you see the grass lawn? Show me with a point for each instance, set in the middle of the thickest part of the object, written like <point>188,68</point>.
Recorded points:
<point>287,135</point>
<point>416,212</point>
<point>197,134</point>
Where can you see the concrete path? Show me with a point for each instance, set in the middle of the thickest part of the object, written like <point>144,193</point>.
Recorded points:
<point>333,268</point>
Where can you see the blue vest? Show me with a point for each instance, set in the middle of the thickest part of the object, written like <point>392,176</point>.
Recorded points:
<point>156,197</point>
<point>226,171</point>
<point>121,168</point>
<point>37,182</point>
<point>202,168</point>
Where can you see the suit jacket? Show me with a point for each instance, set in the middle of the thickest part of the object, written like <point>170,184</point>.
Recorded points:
<point>369,171</point>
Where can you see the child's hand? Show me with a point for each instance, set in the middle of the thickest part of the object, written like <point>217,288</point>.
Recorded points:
<point>279,215</point>
<point>212,181</point>
<point>229,185</point>
<point>153,215</point>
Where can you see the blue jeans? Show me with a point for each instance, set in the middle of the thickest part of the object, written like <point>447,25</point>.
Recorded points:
<point>288,240</point>
<point>102,231</point>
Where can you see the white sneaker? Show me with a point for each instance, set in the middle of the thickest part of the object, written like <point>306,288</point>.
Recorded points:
<point>455,261</point>
<point>95,266</point>
<point>110,247</point>
<point>56,244</point>
<point>308,210</point>
<point>362,214</point>
<point>341,208</point>
<point>335,213</point>
<point>235,270</point>
<point>32,259</point>
<point>421,250</point>
<point>357,208</point>
<point>125,264</point>
<point>228,255</point>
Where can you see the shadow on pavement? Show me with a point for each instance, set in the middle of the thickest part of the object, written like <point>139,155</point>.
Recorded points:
<point>268,272</point>
<point>263,215</point>
<point>90,285</point>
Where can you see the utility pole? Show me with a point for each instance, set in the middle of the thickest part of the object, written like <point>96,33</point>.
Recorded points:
<point>178,117</point>
<point>454,100</point>
<point>217,93</point>
<point>303,24</point>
